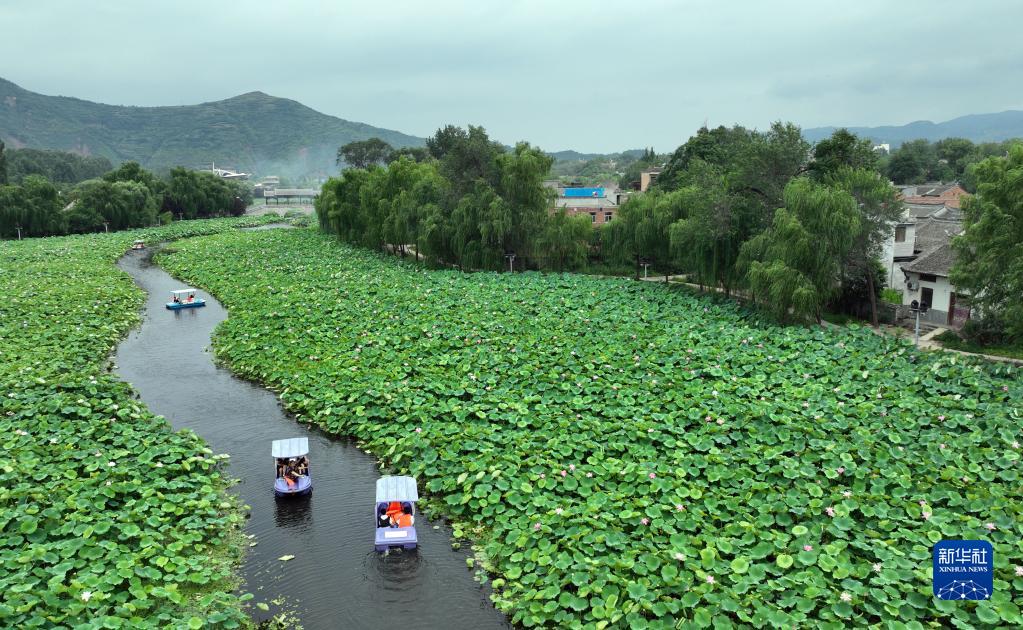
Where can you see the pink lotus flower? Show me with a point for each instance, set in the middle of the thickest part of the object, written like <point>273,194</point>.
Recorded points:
<point>877,567</point>
<point>990,526</point>
<point>923,502</point>
<point>1019,570</point>
<point>845,597</point>
<point>721,421</point>
<point>710,579</point>
<point>558,511</point>
<point>681,557</point>
<point>571,467</point>
<point>644,520</point>
<point>840,469</point>
<point>86,596</point>
<point>652,475</point>
<point>679,507</point>
<point>589,474</point>
<point>1005,388</point>
<point>941,417</point>
<point>418,430</point>
<point>709,419</point>
<point>649,430</point>
<point>543,476</point>
<point>537,526</point>
<point>564,473</point>
<point>830,511</point>
<point>941,446</point>
<point>807,547</point>
<point>926,516</point>
<point>847,494</point>
<point>1014,444</point>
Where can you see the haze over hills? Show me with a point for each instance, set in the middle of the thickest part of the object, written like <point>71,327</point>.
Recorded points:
<point>975,127</point>
<point>253,132</point>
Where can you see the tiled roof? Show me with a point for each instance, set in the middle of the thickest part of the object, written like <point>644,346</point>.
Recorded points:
<point>937,262</point>
<point>933,233</point>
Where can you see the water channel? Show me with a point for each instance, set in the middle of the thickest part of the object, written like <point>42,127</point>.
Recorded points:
<point>335,580</point>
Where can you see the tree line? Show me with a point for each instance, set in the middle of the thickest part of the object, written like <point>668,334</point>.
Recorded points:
<point>126,197</point>
<point>799,230</point>
<point>464,200</point>
<point>950,159</point>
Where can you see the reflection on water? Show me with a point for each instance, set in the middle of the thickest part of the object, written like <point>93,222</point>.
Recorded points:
<point>335,580</point>
<point>294,512</point>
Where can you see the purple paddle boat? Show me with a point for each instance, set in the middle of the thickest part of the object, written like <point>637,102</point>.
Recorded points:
<point>291,457</point>
<point>395,513</point>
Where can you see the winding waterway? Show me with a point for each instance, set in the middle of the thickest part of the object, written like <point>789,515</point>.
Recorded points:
<point>335,580</point>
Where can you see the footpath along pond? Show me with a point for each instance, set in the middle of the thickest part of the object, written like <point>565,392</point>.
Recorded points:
<point>335,580</point>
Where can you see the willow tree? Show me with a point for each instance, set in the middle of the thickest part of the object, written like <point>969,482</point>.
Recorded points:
<point>879,208</point>
<point>794,265</point>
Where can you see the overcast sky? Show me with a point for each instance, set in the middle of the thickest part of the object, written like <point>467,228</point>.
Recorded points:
<point>585,75</point>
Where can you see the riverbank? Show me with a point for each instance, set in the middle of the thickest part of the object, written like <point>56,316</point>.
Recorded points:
<point>333,577</point>
<point>107,515</point>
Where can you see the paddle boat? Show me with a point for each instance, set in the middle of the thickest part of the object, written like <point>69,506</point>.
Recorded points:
<point>138,245</point>
<point>395,513</point>
<point>184,298</point>
<point>291,459</point>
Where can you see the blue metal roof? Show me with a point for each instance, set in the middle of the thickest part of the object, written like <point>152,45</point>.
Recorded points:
<point>584,192</point>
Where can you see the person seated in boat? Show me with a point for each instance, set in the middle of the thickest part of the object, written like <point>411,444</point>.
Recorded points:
<point>191,298</point>
<point>303,466</point>
<point>405,519</point>
<point>282,467</point>
<point>176,300</point>
<point>383,520</point>
<point>393,510</point>
<point>291,479</point>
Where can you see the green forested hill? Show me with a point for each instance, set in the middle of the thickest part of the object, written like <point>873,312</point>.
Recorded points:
<point>254,132</point>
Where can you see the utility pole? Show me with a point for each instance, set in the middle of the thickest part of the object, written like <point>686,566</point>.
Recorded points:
<point>106,226</point>
<point>511,262</point>
<point>918,308</point>
<point>18,228</point>
<point>646,266</point>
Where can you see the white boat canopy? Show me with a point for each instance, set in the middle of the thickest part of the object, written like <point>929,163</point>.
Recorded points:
<point>184,292</point>
<point>292,447</point>
<point>396,489</point>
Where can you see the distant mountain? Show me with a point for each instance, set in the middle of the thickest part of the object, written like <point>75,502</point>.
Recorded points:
<point>975,127</point>
<point>575,156</point>
<point>254,132</point>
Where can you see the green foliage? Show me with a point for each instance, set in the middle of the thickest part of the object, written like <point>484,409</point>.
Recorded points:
<point>121,204</point>
<point>363,153</point>
<point>842,150</point>
<point>650,400</point>
<point>989,262</point>
<point>892,296</point>
<point>200,195</point>
<point>108,518</point>
<point>951,159</point>
<point>469,205</point>
<point>3,165</point>
<point>59,167</point>
<point>794,266</point>
<point>35,206</point>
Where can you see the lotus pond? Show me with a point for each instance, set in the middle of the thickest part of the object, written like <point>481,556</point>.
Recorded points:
<point>626,454</point>
<point>107,518</point>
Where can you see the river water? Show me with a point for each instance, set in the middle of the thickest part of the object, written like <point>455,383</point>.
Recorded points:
<point>336,580</point>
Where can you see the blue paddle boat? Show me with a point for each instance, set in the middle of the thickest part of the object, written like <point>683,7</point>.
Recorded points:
<point>291,457</point>
<point>395,513</point>
<point>184,298</point>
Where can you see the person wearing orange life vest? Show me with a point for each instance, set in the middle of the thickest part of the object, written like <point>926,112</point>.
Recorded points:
<point>405,519</point>
<point>393,511</point>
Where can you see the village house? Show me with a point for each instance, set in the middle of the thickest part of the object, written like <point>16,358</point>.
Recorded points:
<point>588,201</point>
<point>918,256</point>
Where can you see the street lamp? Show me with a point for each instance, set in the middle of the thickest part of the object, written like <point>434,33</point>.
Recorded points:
<point>106,226</point>
<point>18,228</point>
<point>511,261</point>
<point>918,308</point>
